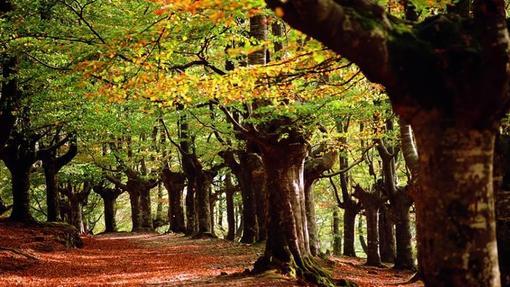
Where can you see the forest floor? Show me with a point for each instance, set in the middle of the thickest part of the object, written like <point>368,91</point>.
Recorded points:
<point>149,259</point>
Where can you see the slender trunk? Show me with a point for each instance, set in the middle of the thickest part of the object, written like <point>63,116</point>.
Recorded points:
<point>50,175</point>
<point>21,194</point>
<point>211,208</point>
<point>190,208</point>
<point>373,257</point>
<point>159,221</point>
<point>404,259</point>
<point>311,218</point>
<point>349,226</point>
<point>250,225</point>
<point>229,193</point>
<point>109,214</point>
<point>455,208</point>
<point>337,237</point>
<point>386,236</point>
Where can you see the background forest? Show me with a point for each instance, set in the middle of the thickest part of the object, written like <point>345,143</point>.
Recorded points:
<point>184,116</point>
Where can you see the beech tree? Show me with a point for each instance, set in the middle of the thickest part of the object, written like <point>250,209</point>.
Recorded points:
<point>447,76</point>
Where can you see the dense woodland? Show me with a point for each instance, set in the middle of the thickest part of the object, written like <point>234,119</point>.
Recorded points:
<point>313,128</point>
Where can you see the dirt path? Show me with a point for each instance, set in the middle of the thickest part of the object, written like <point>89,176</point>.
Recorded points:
<point>167,260</point>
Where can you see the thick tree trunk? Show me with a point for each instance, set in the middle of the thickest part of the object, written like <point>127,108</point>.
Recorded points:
<point>174,183</point>
<point>146,210</point>
<point>386,236</point>
<point>337,237</point>
<point>50,175</point>
<point>455,208</point>
<point>349,226</point>
<point>136,218</point>
<point>203,194</point>
<point>503,234</point>
<point>231,217</point>
<point>287,245</point>
<point>109,214</point>
<point>20,177</point>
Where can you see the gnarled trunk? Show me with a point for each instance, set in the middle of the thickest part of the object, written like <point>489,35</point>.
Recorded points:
<point>455,208</point>
<point>287,245</point>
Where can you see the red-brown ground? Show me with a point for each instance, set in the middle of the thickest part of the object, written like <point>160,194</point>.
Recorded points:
<point>156,260</point>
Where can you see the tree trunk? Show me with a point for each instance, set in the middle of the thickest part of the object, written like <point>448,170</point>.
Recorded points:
<point>373,257</point>
<point>229,193</point>
<point>404,259</point>
<point>455,208</point>
<point>311,218</point>
<point>109,214</point>
<point>203,194</point>
<point>174,183</point>
<point>145,208</point>
<point>76,214</point>
<point>246,181</point>
<point>287,245</point>
<point>136,219</point>
<point>337,237</point>
<point>502,192</point>
<point>386,236</point>
<point>349,226</point>
<point>190,209</point>
<point>21,194</point>
<point>50,175</point>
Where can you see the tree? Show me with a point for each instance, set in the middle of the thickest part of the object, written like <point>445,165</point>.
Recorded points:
<point>456,145</point>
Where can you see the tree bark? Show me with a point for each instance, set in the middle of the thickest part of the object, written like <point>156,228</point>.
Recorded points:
<point>349,227</point>
<point>20,177</point>
<point>146,208</point>
<point>386,236</point>
<point>191,224</point>
<point>404,256</point>
<point>136,217</point>
<point>337,237</point>
<point>373,257</point>
<point>229,194</point>
<point>502,192</point>
<point>174,184</point>
<point>250,225</point>
<point>458,239</point>
<point>287,245</point>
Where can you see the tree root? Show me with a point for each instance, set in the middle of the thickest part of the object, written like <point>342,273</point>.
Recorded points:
<point>308,270</point>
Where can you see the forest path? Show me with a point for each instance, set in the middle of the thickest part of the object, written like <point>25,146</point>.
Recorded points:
<point>169,260</point>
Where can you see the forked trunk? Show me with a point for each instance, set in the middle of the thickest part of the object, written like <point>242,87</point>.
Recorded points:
<point>455,208</point>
